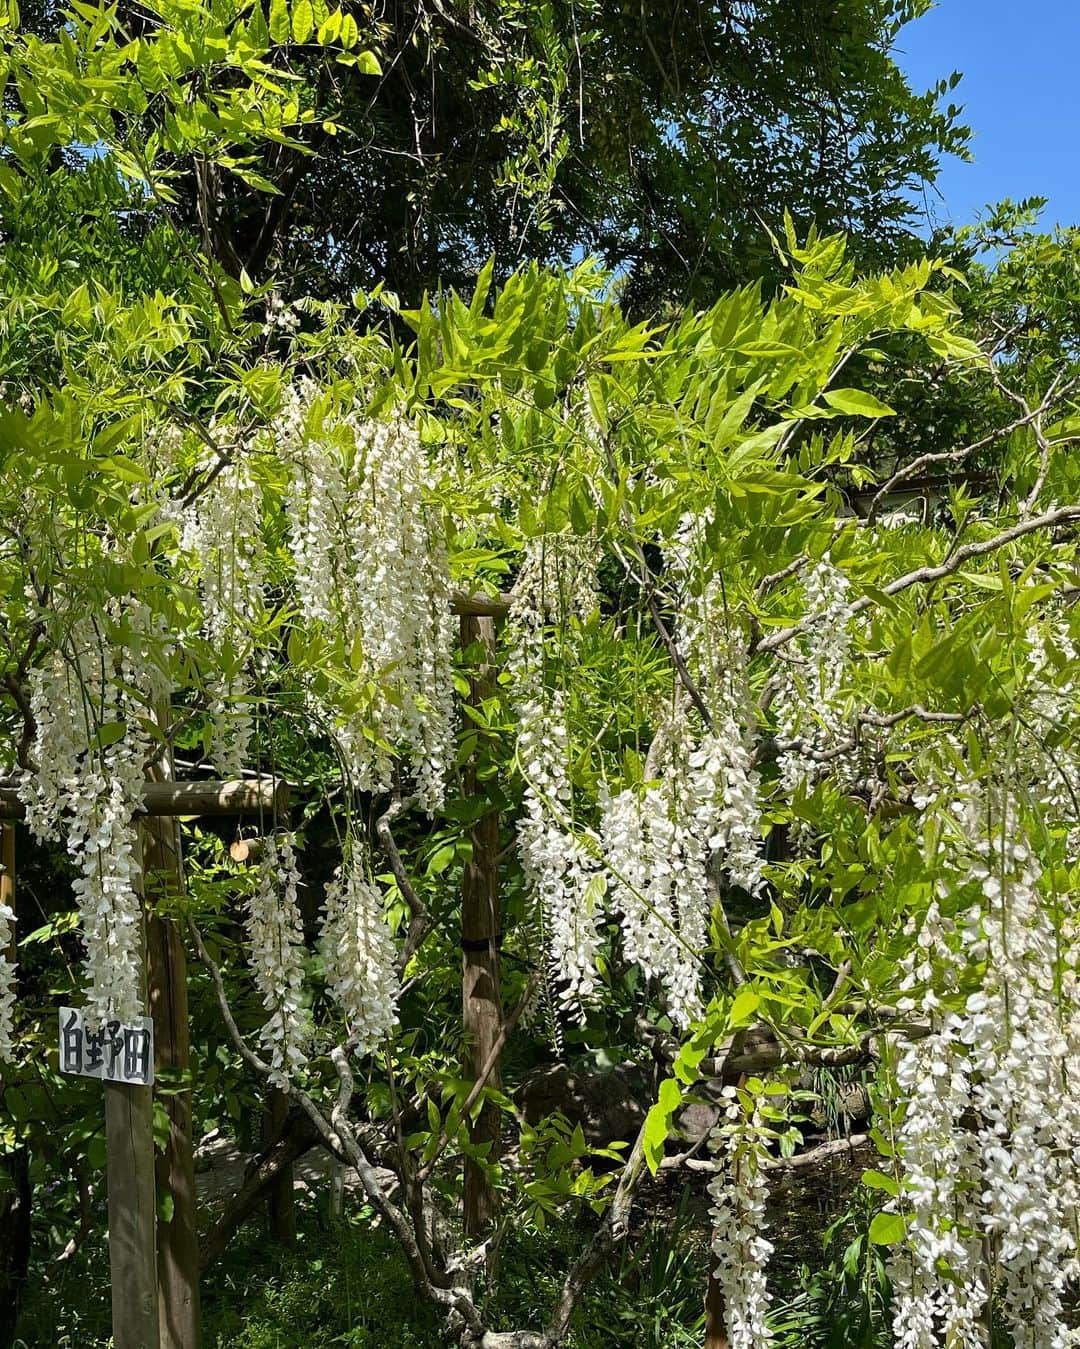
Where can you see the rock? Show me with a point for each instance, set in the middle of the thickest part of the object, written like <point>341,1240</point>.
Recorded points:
<point>608,1103</point>
<point>696,1121</point>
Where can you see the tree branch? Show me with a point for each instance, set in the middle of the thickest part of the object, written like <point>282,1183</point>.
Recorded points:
<point>1028,417</point>
<point>928,574</point>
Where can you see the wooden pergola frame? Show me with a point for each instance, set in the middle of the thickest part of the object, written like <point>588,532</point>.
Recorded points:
<point>154,1263</point>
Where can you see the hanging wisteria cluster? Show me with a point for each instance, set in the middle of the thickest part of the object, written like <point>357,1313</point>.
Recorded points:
<point>358,953</point>
<point>221,538</point>
<point>561,869</point>
<point>667,845</point>
<point>275,936</point>
<point>991,1128</point>
<point>92,701</point>
<point>371,566</point>
<point>1049,711</point>
<point>560,862</point>
<point>808,701</point>
<point>664,846</point>
<point>738,1190</point>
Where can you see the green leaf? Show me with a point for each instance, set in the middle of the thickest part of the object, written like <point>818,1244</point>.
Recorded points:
<point>330,28</point>
<point>878,1180</point>
<point>658,1122</point>
<point>887,1229</point>
<point>303,20</point>
<point>857,403</point>
<point>109,734</point>
<point>258,34</point>
<point>959,348</point>
<point>279,21</point>
<point>743,1008</point>
<point>442,859</point>
<point>768,351</point>
<point>256,180</point>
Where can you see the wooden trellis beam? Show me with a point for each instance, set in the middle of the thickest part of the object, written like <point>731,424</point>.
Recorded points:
<point>468,605</point>
<point>267,796</point>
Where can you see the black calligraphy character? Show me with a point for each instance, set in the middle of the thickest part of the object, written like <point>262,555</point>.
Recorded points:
<point>136,1054</point>
<point>95,1045</point>
<point>71,1045</point>
<point>116,1048</point>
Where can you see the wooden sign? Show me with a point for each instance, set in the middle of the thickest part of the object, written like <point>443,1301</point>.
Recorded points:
<point>115,1052</point>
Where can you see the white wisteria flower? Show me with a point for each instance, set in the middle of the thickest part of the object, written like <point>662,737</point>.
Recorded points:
<point>229,560</point>
<point>358,952</point>
<point>740,1247</point>
<point>991,1121</point>
<point>371,566</point>
<point>808,697</point>
<point>276,941</point>
<point>91,700</point>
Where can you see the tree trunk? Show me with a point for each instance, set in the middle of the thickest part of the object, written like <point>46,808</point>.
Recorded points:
<point>481,931</point>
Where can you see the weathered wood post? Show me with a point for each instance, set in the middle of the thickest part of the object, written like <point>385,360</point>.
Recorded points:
<point>177,1241</point>
<point>129,1140</point>
<point>481,932</point>
<point>129,1161</point>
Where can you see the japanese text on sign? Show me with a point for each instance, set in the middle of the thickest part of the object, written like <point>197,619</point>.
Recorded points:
<point>115,1052</point>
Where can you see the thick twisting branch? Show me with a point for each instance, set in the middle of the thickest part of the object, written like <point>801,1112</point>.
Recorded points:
<point>768,748</point>
<point>928,574</point>
<point>800,1161</point>
<point>1029,417</point>
<point>340,1136</point>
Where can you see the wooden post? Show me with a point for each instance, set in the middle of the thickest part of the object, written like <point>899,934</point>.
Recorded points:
<point>281,1193</point>
<point>177,1242</point>
<point>715,1329</point>
<point>129,1149</point>
<point>481,931</point>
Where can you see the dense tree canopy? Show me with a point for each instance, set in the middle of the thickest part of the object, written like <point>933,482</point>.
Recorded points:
<point>667,138</point>
<point>619,662</point>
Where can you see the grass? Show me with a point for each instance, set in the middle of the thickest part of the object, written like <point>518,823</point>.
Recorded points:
<point>345,1284</point>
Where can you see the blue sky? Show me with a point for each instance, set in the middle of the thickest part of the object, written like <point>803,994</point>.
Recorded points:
<point>1021,97</point>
